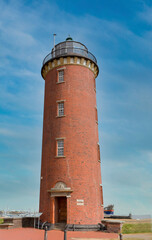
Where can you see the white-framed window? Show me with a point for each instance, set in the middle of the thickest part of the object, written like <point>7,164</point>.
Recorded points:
<point>60,147</point>
<point>61,76</point>
<point>61,109</point>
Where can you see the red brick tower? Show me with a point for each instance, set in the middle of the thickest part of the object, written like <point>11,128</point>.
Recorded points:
<point>71,189</point>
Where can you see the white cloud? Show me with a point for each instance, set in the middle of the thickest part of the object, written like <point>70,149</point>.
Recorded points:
<point>148,156</point>
<point>146,14</point>
<point>7,132</point>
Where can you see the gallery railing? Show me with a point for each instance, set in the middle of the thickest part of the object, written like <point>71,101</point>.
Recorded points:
<point>69,51</point>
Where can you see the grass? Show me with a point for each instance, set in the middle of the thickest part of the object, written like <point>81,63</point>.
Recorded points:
<point>137,228</point>
<point>1,220</point>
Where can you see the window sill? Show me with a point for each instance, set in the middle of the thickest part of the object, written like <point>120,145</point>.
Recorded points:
<point>99,161</point>
<point>95,90</point>
<point>61,68</point>
<point>60,116</point>
<point>60,156</point>
<point>60,82</point>
<point>97,122</point>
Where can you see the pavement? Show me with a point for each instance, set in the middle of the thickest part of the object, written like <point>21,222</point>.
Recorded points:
<point>36,234</point>
<point>91,236</point>
<point>138,236</point>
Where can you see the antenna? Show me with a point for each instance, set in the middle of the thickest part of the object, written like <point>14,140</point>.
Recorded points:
<point>54,39</point>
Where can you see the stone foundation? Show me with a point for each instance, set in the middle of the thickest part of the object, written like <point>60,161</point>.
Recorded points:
<point>112,226</point>
<point>10,223</point>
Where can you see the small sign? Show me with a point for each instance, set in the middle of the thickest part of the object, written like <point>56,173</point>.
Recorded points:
<point>80,202</point>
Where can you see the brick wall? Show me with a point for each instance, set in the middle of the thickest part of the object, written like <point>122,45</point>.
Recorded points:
<point>113,226</point>
<point>13,222</point>
<point>80,168</point>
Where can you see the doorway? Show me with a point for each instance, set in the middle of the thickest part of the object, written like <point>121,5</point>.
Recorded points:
<point>60,210</point>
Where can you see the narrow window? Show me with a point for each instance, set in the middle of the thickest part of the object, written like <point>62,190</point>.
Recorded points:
<point>61,76</point>
<point>96,114</point>
<point>60,147</point>
<point>95,84</point>
<point>98,152</point>
<point>61,109</point>
<point>101,195</point>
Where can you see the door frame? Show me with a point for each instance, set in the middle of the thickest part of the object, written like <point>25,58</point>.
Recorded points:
<point>59,190</point>
<point>56,209</point>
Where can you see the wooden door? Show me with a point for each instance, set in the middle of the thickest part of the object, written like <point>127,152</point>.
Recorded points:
<point>62,209</point>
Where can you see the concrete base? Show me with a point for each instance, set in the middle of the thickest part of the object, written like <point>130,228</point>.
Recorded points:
<point>75,227</point>
<point>6,226</point>
<point>112,226</point>
<point>78,227</point>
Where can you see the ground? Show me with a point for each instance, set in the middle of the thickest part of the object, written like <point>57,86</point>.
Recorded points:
<point>138,236</point>
<point>36,234</point>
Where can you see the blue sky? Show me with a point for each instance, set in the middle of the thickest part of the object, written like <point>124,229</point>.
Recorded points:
<point>119,34</point>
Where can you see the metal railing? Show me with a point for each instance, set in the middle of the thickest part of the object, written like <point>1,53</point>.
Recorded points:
<point>69,51</point>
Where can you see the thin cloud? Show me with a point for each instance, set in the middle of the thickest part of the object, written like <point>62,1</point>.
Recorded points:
<point>6,132</point>
<point>146,15</point>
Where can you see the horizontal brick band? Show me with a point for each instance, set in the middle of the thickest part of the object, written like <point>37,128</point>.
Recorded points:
<point>69,61</point>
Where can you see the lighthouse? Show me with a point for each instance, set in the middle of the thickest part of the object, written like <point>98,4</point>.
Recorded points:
<point>71,187</point>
